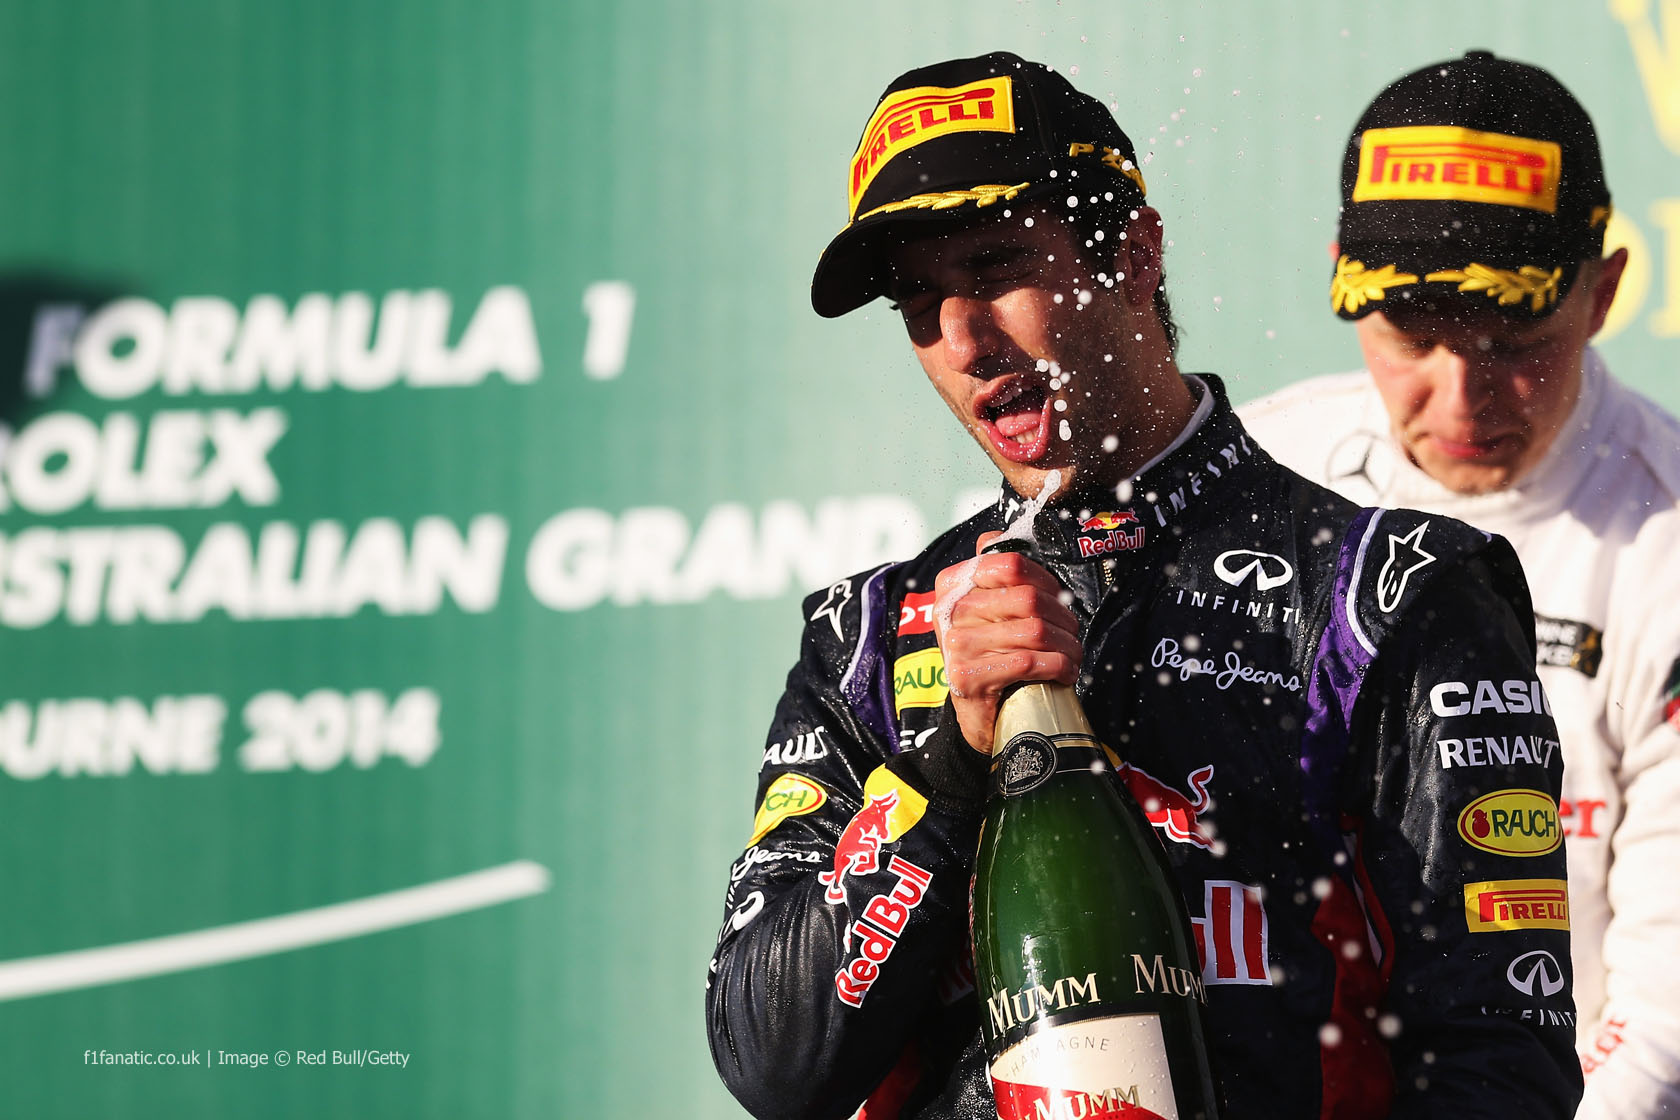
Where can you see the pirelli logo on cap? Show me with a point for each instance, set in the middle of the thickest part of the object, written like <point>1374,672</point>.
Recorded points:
<point>1507,904</point>
<point>914,116</point>
<point>1458,164</point>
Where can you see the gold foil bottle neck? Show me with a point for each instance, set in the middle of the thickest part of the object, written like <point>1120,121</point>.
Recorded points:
<point>1045,707</point>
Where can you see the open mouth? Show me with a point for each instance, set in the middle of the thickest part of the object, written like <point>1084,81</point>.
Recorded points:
<point>1016,418</point>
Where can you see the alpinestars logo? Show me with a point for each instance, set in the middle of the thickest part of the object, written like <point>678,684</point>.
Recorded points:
<point>1268,569</point>
<point>838,596</point>
<point>1405,556</point>
<point>1536,974</point>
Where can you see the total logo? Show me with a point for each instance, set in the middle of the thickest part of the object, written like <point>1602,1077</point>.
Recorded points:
<point>1536,974</point>
<point>1107,533</point>
<point>915,613</point>
<point>1268,569</point>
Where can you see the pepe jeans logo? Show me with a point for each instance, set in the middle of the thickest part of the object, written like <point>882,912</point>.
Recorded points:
<point>1167,655</point>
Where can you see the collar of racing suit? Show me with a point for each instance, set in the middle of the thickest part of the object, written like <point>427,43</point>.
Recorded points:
<point>1083,535</point>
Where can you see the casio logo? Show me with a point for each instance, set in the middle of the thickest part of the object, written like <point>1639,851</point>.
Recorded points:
<point>1465,698</point>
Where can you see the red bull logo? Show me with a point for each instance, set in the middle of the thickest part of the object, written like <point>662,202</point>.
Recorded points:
<point>1168,809</point>
<point>1104,533</point>
<point>876,933</point>
<point>858,851</point>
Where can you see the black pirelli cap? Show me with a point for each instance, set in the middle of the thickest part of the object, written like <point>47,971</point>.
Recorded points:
<point>951,142</point>
<point>1473,182</point>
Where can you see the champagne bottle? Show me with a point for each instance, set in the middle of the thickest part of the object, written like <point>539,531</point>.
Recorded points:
<point>1091,986</point>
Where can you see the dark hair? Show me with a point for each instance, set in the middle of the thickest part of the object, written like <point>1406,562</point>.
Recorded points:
<point>1109,217</point>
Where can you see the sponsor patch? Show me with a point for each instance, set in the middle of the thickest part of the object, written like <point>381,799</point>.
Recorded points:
<point>1107,533</point>
<point>1405,556</point>
<point>1472,698</point>
<point>915,613</point>
<point>1267,569</point>
<point>1444,163</point>
<point>919,680</point>
<point>1536,973</point>
<point>1605,1042</point>
<point>810,746</point>
<point>1497,750</point>
<point>791,795</point>
<point>876,934</point>
<point>838,596</point>
<point>1501,905</point>
<point>914,116</point>
<point>1167,809</point>
<point>890,809</point>
<point>1232,670</point>
<point>1512,822</point>
<point>1233,937</point>
<point>1568,644</point>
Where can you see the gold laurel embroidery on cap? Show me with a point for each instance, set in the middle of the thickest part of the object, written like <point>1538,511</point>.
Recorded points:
<point>1112,157</point>
<point>983,195</point>
<point>1354,285</point>
<point>1534,284</point>
<point>1600,215</point>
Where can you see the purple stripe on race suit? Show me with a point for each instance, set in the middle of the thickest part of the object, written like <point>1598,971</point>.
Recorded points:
<point>1338,670</point>
<point>868,685</point>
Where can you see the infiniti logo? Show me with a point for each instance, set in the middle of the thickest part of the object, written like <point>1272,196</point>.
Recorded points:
<point>749,908</point>
<point>1536,974</point>
<point>1269,570</point>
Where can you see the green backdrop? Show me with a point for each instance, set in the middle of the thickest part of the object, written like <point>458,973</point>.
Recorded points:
<point>417,438</point>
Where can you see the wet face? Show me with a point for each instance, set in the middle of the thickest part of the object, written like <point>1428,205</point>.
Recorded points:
<point>1028,346</point>
<point>1476,398</point>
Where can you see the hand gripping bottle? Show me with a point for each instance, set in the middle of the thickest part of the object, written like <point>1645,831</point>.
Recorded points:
<point>1090,982</point>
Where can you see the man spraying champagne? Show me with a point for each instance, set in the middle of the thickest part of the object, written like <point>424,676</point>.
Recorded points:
<point>1298,659</point>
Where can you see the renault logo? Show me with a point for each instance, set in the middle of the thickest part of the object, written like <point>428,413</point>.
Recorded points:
<point>1269,570</point>
<point>1536,974</point>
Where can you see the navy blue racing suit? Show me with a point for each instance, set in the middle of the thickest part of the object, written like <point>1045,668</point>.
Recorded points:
<point>1353,771</point>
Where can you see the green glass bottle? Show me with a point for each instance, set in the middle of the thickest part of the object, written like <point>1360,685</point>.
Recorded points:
<point>1090,982</point>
